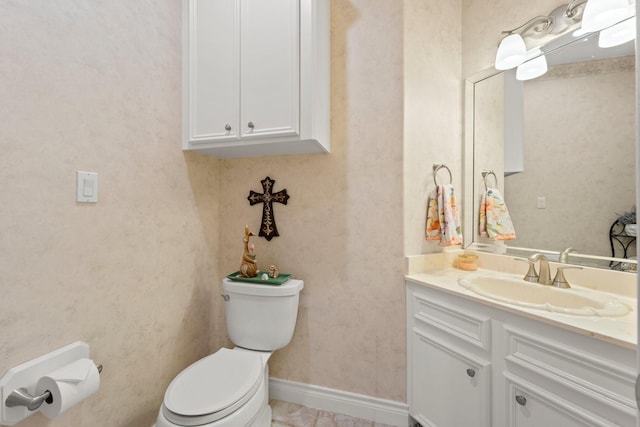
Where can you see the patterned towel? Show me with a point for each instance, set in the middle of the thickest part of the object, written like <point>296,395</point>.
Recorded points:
<point>443,218</point>
<point>495,222</point>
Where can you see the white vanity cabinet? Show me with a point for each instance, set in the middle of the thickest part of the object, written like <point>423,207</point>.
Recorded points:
<point>526,373</point>
<point>255,77</point>
<point>449,360</point>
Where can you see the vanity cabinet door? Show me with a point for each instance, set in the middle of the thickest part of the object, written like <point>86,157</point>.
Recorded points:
<point>534,407</point>
<point>450,388</point>
<point>551,379</point>
<point>535,412</point>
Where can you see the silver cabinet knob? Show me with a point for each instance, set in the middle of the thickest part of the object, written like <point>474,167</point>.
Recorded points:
<point>471,372</point>
<point>521,400</point>
<point>251,125</point>
<point>227,127</point>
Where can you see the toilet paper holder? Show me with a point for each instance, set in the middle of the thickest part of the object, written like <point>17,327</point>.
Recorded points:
<point>18,396</point>
<point>22,397</point>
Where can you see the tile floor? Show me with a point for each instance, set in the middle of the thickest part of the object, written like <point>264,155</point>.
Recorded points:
<point>286,414</point>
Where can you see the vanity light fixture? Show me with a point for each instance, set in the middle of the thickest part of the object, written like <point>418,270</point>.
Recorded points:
<point>567,15</point>
<point>594,16</point>
<point>512,50</point>
<point>533,67</point>
<point>618,34</point>
<point>600,14</point>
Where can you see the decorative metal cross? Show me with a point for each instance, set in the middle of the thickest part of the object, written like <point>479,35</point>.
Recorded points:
<point>268,229</point>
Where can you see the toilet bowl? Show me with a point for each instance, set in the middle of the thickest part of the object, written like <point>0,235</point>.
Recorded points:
<point>231,386</point>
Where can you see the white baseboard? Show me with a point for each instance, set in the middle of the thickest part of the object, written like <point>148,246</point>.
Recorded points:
<point>340,402</point>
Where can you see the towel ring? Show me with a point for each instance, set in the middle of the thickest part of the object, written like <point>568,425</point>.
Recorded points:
<point>436,168</point>
<point>485,174</point>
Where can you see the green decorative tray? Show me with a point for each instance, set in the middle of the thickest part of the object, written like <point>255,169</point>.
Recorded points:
<point>270,281</point>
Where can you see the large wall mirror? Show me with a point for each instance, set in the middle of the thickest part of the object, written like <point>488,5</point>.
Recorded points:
<point>562,148</point>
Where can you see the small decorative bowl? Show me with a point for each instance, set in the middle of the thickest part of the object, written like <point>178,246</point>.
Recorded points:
<point>468,262</point>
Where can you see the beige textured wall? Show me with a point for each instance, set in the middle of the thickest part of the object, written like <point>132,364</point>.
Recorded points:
<point>433,111</point>
<point>341,231</point>
<point>95,86</point>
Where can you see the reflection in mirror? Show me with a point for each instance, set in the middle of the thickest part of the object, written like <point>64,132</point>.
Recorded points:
<point>563,148</point>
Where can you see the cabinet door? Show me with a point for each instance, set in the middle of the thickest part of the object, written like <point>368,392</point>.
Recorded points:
<point>269,51</point>
<point>532,406</point>
<point>450,389</point>
<point>213,70</point>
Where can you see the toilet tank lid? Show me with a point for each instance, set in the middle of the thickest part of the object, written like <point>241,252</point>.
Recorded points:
<point>290,287</point>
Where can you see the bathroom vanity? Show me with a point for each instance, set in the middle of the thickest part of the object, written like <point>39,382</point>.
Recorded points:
<point>476,361</point>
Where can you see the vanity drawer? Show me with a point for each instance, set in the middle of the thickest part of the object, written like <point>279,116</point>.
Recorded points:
<point>460,322</point>
<point>565,365</point>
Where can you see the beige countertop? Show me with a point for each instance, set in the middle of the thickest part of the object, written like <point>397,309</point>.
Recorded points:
<point>436,271</point>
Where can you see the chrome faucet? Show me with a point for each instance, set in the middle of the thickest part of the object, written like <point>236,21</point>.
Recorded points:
<point>564,255</point>
<point>544,278</point>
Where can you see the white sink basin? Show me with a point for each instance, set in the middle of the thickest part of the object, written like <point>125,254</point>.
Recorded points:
<point>578,302</point>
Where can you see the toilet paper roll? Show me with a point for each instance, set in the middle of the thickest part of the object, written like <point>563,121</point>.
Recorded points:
<point>68,385</point>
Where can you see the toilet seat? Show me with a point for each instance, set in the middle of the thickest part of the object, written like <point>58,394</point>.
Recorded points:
<point>213,387</point>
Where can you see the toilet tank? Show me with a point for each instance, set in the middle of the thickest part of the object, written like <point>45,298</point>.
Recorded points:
<point>261,317</point>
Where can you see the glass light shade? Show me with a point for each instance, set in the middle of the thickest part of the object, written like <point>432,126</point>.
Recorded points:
<point>532,68</point>
<point>600,14</point>
<point>511,52</point>
<point>619,34</point>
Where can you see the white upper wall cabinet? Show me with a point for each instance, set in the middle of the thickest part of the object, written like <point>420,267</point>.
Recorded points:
<point>255,77</point>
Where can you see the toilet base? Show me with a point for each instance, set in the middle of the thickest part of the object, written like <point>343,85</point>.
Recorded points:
<point>264,417</point>
<point>262,420</point>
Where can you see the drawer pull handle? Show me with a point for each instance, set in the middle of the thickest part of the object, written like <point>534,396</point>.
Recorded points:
<point>521,400</point>
<point>251,125</point>
<point>471,372</point>
<point>227,128</point>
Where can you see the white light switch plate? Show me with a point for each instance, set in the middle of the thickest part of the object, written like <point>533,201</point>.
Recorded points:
<point>86,187</point>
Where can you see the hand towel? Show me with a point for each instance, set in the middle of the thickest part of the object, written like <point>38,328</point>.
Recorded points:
<point>432,229</point>
<point>495,221</point>
<point>443,218</point>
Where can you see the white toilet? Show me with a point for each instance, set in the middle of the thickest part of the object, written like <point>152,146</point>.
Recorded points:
<point>231,387</point>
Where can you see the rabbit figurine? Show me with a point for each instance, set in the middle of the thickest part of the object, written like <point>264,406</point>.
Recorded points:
<point>248,267</point>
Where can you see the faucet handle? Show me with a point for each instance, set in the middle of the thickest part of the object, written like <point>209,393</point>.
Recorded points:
<point>560,281</point>
<point>532,274</point>
<point>564,255</point>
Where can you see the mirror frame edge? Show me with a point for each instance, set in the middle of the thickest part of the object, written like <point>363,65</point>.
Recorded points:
<point>469,151</point>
